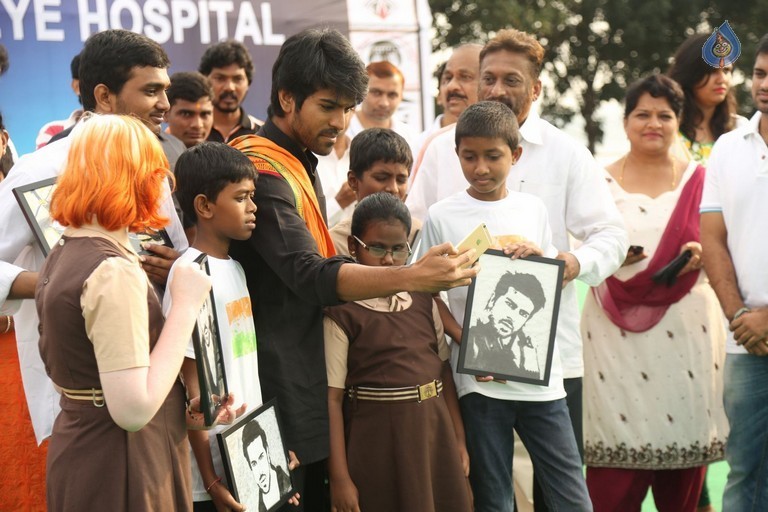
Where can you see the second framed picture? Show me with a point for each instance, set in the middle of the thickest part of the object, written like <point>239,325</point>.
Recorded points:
<point>256,459</point>
<point>510,320</point>
<point>208,354</point>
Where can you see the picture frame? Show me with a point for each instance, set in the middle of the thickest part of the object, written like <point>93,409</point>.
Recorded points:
<point>35,202</point>
<point>206,340</point>
<point>159,237</point>
<point>256,459</point>
<point>510,321</point>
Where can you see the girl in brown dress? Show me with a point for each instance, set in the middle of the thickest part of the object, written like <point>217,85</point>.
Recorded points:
<point>119,443</point>
<point>397,439</point>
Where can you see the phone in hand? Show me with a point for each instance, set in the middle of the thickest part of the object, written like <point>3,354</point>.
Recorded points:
<point>479,239</point>
<point>636,250</point>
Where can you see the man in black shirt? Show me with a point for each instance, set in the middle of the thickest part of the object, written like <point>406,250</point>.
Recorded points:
<point>229,68</point>
<point>317,80</point>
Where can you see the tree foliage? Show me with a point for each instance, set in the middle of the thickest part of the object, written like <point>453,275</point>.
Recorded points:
<point>596,47</point>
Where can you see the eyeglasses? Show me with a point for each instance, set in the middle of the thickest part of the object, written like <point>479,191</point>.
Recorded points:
<point>379,252</point>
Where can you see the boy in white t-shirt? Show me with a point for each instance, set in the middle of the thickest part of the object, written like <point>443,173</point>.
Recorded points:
<point>215,187</point>
<point>487,137</point>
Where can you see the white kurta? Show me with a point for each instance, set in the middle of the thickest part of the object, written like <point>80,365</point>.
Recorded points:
<point>653,400</point>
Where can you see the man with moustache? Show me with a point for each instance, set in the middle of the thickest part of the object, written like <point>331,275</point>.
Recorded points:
<point>229,68</point>
<point>289,261</point>
<point>457,89</point>
<point>566,177</point>
<point>732,204</point>
<point>121,72</point>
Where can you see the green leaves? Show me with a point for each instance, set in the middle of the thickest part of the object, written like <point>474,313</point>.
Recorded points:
<point>595,48</point>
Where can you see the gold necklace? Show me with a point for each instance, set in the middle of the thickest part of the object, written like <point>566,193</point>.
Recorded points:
<point>624,163</point>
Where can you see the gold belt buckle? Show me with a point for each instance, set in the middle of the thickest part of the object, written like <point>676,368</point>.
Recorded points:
<point>98,401</point>
<point>428,390</point>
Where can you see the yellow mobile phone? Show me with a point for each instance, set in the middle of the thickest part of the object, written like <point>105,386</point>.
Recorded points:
<point>479,239</point>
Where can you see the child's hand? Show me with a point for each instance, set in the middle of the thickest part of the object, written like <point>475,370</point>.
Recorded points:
<point>227,413</point>
<point>293,461</point>
<point>344,496</point>
<point>190,286</point>
<point>223,500</point>
<point>195,418</point>
<point>226,416</point>
<point>522,249</point>
<point>294,500</point>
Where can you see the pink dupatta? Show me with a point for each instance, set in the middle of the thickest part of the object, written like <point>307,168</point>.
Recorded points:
<point>638,304</point>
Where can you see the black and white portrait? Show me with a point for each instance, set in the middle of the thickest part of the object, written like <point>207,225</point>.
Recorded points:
<point>511,317</point>
<point>210,362</point>
<point>256,460</point>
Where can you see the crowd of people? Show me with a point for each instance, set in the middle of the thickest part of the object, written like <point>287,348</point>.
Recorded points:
<point>331,231</point>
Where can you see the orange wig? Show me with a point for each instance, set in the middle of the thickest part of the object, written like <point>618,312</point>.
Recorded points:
<point>113,177</point>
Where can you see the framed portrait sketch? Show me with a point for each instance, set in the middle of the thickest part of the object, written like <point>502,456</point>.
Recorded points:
<point>35,200</point>
<point>511,318</point>
<point>206,340</point>
<point>256,459</point>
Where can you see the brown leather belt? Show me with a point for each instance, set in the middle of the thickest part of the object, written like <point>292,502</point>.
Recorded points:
<point>406,394</point>
<point>93,395</point>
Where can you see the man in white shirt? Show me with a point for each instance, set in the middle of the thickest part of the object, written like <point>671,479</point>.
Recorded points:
<point>732,205</point>
<point>553,167</point>
<point>385,93</point>
<point>138,66</point>
<point>457,89</point>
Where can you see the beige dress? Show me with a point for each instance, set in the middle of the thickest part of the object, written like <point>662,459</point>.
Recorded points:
<point>653,400</point>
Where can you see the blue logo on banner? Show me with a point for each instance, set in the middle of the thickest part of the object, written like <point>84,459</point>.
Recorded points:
<point>722,48</point>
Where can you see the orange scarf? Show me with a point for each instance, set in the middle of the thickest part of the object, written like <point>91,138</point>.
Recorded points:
<point>269,158</point>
